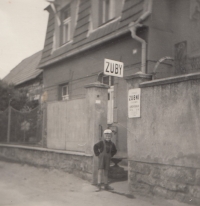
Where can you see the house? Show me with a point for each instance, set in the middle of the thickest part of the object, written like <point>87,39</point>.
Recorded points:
<point>155,39</point>
<point>27,75</point>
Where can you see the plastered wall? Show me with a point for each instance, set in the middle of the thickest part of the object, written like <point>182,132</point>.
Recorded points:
<point>168,130</point>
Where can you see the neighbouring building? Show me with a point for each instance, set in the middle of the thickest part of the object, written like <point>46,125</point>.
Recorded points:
<point>155,39</point>
<point>26,75</point>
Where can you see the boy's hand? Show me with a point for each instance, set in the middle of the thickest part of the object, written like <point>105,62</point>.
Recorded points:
<point>97,154</point>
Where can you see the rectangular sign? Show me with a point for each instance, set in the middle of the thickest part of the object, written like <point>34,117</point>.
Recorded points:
<point>113,68</point>
<point>134,103</point>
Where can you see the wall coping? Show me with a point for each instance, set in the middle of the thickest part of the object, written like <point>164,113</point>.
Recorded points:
<point>98,85</point>
<point>139,75</point>
<point>46,150</point>
<point>170,80</point>
<point>162,164</point>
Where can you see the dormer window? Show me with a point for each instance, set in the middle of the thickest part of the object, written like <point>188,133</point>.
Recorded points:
<point>66,25</point>
<point>67,14</point>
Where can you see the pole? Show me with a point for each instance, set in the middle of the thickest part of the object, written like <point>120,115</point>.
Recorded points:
<point>9,121</point>
<point>43,124</point>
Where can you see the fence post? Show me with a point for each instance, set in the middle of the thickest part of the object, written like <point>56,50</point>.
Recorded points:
<point>43,102</point>
<point>9,121</point>
<point>44,119</point>
<point>97,100</point>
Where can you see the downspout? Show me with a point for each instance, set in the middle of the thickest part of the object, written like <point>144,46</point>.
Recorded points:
<point>133,27</point>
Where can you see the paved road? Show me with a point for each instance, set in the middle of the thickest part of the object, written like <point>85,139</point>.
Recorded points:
<point>23,185</point>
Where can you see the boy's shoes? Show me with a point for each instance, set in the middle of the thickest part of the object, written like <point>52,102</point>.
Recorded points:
<point>107,187</point>
<point>98,188</point>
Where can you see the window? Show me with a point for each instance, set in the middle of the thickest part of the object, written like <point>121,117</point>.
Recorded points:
<point>65,24</point>
<point>65,92</point>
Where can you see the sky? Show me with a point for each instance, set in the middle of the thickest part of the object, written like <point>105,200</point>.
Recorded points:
<point>23,26</point>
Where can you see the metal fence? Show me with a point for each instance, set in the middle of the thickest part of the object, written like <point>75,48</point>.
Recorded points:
<point>21,127</point>
<point>3,125</point>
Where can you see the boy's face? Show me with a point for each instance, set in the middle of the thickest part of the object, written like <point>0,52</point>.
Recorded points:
<point>108,136</point>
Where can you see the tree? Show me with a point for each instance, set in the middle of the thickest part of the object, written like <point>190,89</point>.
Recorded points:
<point>6,92</point>
<point>17,98</point>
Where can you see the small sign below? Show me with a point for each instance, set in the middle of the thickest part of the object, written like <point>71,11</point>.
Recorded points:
<point>98,101</point>
<point>36,97</point>
<point>134,103</point>
<point>113,68</point>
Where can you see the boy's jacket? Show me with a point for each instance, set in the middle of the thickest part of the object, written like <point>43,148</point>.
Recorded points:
<point>110,148</point>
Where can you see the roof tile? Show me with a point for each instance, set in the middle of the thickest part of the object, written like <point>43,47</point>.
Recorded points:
<point>26,70</point>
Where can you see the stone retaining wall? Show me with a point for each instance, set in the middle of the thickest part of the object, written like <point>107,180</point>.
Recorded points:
<point>172,182</point>
<point>76,163</point>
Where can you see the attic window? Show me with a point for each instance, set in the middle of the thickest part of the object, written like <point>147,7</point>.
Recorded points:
<point>66,24</point>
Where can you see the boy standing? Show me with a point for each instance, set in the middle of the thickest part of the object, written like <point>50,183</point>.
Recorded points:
<point>104,149</point>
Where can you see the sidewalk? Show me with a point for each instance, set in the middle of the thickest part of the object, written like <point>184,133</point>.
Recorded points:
<point>23,185</point>
<point>122,189</point>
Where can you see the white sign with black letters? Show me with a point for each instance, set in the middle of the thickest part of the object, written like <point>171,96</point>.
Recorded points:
<point>134,103</point>
<point>113,68</point>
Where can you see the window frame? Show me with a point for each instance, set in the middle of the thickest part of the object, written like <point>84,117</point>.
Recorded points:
<point>65,96</point>
<point>65,22</point>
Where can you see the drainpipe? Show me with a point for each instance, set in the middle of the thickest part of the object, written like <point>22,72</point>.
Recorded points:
<point>133,27</point>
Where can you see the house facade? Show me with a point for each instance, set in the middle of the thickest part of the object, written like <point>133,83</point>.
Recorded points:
<point>157,38</point>
<point>93,35</point>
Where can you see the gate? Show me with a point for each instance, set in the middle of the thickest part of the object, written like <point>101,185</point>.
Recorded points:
<point>67,125</point>
<point>21,127</point>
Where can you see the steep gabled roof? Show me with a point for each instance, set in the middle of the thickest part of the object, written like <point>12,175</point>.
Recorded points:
<point>25,70</point>
<point>131,11</point>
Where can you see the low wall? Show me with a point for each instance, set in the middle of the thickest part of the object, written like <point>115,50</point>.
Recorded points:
<point>164,143</point>
<point>172,182</point>
<point>76,163</point>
